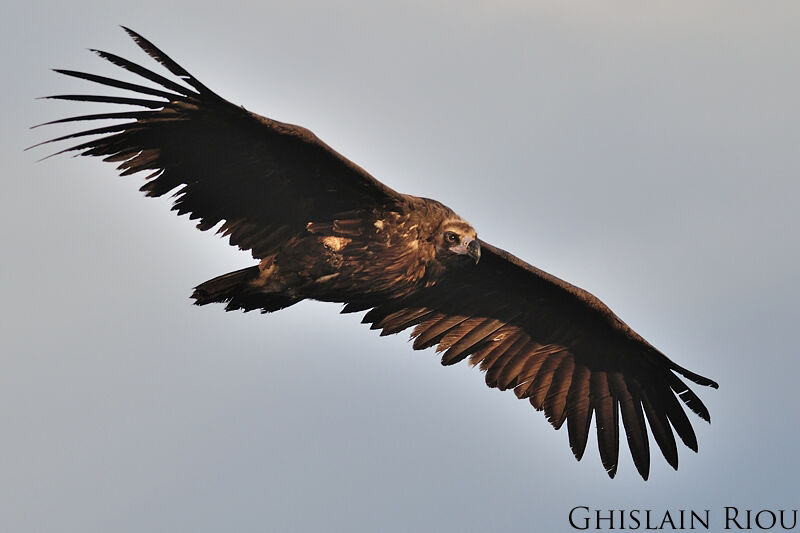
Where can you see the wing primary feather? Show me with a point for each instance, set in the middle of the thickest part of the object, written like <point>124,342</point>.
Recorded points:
<point>679,420</point>
<point>97,147</point>
<point>154,52</point>
<point>689,397</point>
<point>697,378</point>
<point>111,82</point>
<point>96,131</point>
<point>605,406</point>
<point>662,431</point>
<point>152,104</point>
<point>579,411</point>
<point>135,115</point>
<point>144,72</point>
<point>633,420</point>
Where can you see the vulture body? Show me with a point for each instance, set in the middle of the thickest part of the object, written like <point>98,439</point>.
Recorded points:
<point>322,228</point>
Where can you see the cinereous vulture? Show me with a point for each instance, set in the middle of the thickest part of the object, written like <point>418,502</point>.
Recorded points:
<point>322,228</point>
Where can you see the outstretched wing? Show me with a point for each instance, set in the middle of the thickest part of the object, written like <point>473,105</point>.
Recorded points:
<point>556,345</point>
<point>264,178</point>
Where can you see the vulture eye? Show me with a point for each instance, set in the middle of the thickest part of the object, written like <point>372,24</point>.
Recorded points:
<point>450,237</point>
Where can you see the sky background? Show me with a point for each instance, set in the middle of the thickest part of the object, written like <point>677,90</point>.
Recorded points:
<point>647,152</point>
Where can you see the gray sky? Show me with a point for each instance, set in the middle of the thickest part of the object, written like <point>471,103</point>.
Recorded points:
<point>647,152</point>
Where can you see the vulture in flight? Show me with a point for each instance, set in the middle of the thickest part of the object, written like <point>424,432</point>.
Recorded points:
<point>323,228</point>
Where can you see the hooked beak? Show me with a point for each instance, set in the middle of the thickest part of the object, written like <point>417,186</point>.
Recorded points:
<point>468,247</point>
<point>474,250</point>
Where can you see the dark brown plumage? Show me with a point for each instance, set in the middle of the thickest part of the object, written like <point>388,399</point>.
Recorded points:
<point>323,228</point>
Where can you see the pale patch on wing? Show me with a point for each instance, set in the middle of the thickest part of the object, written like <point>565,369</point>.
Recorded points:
<point>501,335</point>
<point>378,224</point>
<point>336,243</point>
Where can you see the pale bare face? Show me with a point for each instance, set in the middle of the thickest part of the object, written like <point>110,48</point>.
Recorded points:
<point>457,237</point>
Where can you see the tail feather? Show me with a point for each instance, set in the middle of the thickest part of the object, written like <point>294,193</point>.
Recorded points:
<point>235,290</point>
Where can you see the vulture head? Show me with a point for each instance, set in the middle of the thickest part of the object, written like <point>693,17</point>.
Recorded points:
<point>457,242</point>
